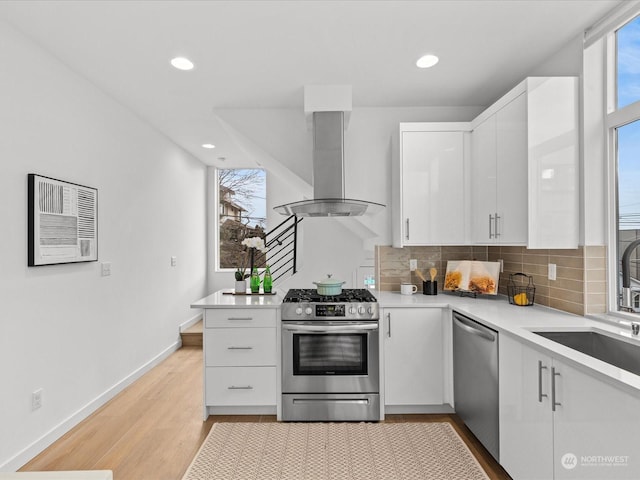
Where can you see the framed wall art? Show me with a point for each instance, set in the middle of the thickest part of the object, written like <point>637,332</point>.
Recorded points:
<point>62,222</point>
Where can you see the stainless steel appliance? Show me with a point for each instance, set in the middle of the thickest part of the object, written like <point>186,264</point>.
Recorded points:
<point>475,380</point>
<point>330,356</point>
<point>328,174</point>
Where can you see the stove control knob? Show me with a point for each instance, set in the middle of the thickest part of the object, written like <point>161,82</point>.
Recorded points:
<point>370,310</point>
<point>299,311</point>
<point>308,310</point>
<point>352,310</point>
<point>361,310</point>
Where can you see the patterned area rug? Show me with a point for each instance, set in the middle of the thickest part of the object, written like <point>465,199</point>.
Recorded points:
<point>340,451</point>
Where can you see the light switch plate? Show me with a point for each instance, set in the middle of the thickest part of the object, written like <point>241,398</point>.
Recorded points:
<point>174,261</point>
<point>413,264</point>
<point>106,269</point>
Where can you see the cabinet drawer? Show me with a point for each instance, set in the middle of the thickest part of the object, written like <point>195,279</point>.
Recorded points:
<point>238,386</point>
<point>228,347</point>
<point>240,317</point>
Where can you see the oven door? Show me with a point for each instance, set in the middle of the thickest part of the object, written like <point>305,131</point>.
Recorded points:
<point>330,357</point>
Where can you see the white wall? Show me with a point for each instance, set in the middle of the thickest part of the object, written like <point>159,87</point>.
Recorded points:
<point>79,336</point>
<point>279,137</point>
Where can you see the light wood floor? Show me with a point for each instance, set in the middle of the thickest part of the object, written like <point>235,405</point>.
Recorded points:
<point>153,429</point>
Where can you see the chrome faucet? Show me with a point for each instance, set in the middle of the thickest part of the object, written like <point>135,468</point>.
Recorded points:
<point>627,301</point>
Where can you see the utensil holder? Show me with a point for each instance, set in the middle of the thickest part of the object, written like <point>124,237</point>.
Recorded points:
<point>430,288</point>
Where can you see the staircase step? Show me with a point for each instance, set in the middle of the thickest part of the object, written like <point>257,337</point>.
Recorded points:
<point>192,336</point>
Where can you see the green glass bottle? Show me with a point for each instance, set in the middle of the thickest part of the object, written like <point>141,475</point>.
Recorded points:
<point>254,282</point>
<point>267,281</point>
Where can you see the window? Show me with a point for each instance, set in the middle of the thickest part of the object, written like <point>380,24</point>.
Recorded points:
<point>628,63</point>
<point>242,211</point>
<point>624,135</point>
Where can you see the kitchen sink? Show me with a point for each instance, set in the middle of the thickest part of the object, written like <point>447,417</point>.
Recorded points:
<point>621,354</point>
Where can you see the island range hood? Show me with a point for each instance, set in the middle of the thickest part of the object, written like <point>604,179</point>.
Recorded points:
<point>328,174</point>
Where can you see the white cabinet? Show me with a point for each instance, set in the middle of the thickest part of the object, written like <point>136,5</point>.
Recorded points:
<point>524,167</point>
<point>526,422</point>
<point>499,176</point>
<point>552,120</point>
<point>240,347</point>
<point>590,433</point>
<point>413,358</point>
<point>429,192</point>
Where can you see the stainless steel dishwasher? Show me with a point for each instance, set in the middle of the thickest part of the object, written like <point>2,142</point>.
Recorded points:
<point>475,380</point>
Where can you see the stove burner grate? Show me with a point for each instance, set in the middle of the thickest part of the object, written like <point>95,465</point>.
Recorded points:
<point>310,295</point>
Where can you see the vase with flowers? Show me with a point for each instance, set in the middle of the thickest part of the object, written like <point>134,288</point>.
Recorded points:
<point>248,263</point>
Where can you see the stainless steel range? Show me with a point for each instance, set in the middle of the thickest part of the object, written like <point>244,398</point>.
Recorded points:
<point>330,356</point>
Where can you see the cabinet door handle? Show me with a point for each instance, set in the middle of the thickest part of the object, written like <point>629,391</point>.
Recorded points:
<point>407,230</point>
<point>490,226</point>
<point>389,319</point>
<point>245,387</point>
<point>239,348</point>
<point>540,394</point>
<point>496,230</point>
<point>554,404</point>
<point>235,319</point>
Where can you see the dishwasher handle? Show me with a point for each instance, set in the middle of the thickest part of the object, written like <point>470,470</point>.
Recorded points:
<point>474,328</point>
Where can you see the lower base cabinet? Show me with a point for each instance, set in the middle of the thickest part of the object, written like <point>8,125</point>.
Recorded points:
<point>560,422</point>
<point>413,356</point>
<point>240,361</point>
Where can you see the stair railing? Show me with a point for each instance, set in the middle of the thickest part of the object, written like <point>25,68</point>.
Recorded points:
<point>282,244</point>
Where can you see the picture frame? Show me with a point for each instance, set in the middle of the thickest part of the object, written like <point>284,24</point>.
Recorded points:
<point>62,222</point>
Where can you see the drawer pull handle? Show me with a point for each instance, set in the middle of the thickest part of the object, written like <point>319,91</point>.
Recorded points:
<point>246,387</point>
<point>233,319</point>
<point>239,348</point>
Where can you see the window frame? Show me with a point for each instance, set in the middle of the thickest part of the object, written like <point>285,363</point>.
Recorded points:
<point>215,180</point>
<point>614,118</point>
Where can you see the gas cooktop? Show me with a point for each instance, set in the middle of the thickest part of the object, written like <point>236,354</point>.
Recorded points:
<point>307,305</point>
<point>310,295</point>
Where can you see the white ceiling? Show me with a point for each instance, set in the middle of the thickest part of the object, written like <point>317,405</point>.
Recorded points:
<point>260,54</point>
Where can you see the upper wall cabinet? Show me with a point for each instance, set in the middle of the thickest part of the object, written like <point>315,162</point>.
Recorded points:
<point>524,167</point>
<point>429,193</point>
<point>499,176</point>
<point>553,148</point>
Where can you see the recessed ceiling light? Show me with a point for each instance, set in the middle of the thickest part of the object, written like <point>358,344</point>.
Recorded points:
<point>208,145</point>
<point>182,63</point>
<point>427,61</point>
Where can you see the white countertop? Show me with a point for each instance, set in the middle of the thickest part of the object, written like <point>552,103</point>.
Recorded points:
<point>226,299</point>
<point>492,311</point>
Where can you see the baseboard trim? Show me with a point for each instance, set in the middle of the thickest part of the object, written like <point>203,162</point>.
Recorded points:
<point>192,321</point>
<point>29,452</point>
<point>400,409</point>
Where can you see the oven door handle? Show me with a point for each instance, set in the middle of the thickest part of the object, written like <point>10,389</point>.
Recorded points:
<point>331,328</point>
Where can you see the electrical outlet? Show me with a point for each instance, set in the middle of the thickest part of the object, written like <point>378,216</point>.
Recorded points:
<point>413,264</point>
<point>174,261</point>
<point>501,261</point>
<point>552,271</point>
<point>106,269</point>
<point>36,399</point>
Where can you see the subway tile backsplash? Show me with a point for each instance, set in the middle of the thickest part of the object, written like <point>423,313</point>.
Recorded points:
<point>579,287</point>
